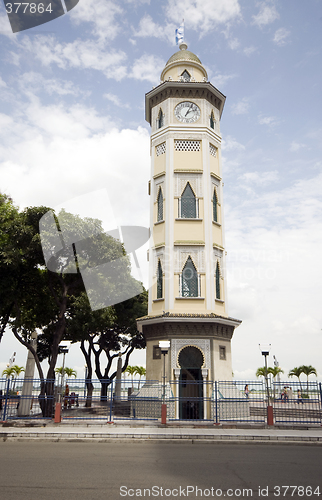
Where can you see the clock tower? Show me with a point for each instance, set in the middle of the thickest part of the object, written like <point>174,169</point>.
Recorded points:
<point>187,296</point>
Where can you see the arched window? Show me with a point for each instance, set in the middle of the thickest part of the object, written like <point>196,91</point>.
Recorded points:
<point>160,120</point>
<point>214,206</point>
<point>160,205</point>
<point>212,120</point>
<point>217,281</point>
<point>159,281</point>
<point>189,280</point>
<point>188,204</point>
<point>186,76</point>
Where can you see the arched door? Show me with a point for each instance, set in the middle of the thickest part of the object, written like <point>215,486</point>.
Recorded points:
<point>190,384</point>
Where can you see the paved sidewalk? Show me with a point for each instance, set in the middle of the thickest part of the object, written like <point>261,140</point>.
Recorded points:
<point>89,431</point>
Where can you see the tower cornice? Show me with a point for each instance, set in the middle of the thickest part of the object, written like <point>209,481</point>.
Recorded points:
<point>184,90</point>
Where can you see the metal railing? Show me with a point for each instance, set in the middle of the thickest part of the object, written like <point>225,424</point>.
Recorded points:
<point>218,402</point>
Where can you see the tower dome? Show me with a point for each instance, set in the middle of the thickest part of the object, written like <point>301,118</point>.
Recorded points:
<point>184,65</point>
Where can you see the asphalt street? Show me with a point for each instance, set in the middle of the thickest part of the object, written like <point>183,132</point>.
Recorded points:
<point>34,470</point>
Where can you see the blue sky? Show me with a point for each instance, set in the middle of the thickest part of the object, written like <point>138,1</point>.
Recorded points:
<point>72,121</point>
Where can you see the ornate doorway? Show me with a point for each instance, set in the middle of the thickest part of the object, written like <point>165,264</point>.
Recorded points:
<point>190,383</point>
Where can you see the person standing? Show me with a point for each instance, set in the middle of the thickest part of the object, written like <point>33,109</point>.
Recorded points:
<point>246,391</point>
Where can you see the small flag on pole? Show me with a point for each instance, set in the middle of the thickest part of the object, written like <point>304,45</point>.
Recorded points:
<point>180,34</point>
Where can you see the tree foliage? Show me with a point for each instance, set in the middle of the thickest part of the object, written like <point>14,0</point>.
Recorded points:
<point>54,301</point>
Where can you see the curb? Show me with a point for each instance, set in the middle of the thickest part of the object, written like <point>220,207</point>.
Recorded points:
<point>136,437</point>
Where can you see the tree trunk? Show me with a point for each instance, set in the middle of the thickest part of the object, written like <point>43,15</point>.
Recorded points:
<point>88,382</point>
<point>104,389</point>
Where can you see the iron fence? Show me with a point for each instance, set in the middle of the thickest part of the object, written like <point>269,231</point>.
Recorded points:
<point>240,401</point>
<point>201,400</point>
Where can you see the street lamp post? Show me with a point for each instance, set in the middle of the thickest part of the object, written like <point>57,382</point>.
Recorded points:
<point>265,352</point>
<point>164,346</point>
<point>57,419</point>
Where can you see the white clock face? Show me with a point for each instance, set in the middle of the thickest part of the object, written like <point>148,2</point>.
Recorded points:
<point>187,112</point>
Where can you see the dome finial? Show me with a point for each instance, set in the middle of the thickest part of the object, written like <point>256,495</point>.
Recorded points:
<point>183,46</point>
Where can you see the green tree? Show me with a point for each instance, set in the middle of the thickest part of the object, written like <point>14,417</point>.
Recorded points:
<point>18,370</point>
<point>70,372</point>
<point>296,372</point>
<point>105,333</point>
<point>9,372</point>
<point>261,372</point>
<point>308,370</point>
<point>141,371</point>
<point>275,371</point>
<point>39,298</point>
<point>131,370</point>
<point>46,299</point>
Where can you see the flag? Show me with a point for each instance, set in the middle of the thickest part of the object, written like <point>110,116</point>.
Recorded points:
<point>180,34</point>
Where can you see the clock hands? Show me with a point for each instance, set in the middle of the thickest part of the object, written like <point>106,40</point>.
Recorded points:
<point>189,109</point>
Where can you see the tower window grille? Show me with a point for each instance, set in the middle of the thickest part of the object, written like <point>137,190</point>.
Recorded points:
<point>159,281</point>
<point>212,121</point>
<point>218,296</point>
<point>215,206</point>
<point>188,204</point>
<point>186,145</point>
<point>186,77</point>
<point>160,120</point>
<point>160,205</point>
<point>190,280</point>
<point>160,149</point>
<point>212,150</point>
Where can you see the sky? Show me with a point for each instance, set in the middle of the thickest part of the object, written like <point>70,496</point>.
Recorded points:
<point>72,123</point>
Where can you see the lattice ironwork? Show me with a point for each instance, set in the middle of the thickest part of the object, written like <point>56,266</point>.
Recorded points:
<point>160,205</point>
<point>217,281</point>
<point>159,281</point>
<point>212,150</point>
<point>189,280</point>
<point>190,357</point>
<point>188,203</point>
<point>187,145</point>
<point>160,149</point>
<point>215,206</point>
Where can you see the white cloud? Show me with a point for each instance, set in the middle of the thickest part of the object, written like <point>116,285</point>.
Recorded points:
<point>31,83</point>
<point>233,43</point>
<point>81,54</point>
<point>269,239</point>
<point>148,67</point>
<point>267,120</point>
<point>266,15</point>
<point>102,14</point>
<point>219,80</point>
<point>148,28</point>
<point>2,83</point>
<point>230,144</point>
<point>116,100</point>
<point>5,28</point>
<point>241,108</point>
<point>58,154</point>
<point>203,15</point>
<point>295,146</point>
<point>260,178</point>
<point>138,2</point>
<point>248,51</point>
<point>281,36</point>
